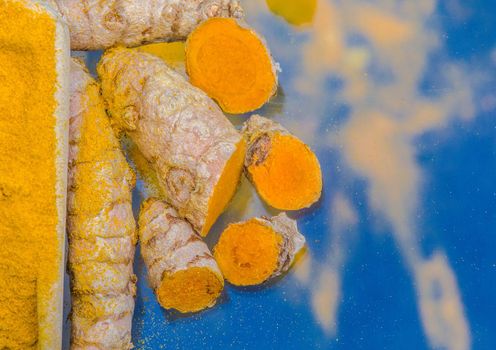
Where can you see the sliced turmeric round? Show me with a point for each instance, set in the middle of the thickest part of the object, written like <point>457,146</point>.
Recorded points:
<point>285,171</point>
<point>189,290</point>
<point>231,64</point>
<point>253,251</point>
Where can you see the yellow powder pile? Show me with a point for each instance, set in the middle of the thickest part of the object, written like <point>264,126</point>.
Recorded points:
<point>29,258</point>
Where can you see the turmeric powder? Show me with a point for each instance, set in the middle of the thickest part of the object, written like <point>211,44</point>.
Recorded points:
<point>194,149</point>
<point>102,24</point>
<point>254,251</point>
<point>34,56</point>
<point>181,269</point>
<point>101,226</point>
<point>231,64</point>
<point>285,171</point>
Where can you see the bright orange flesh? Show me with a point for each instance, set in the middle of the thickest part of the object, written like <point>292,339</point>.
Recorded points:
<point>190,290</point>
<point>247,253</point>
<point>290,177</point>
<point>231,64</point>
<point>226,187</point>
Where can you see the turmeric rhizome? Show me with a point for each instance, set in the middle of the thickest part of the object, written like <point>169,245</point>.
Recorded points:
<point>254,251</point>
<point>181,269</point>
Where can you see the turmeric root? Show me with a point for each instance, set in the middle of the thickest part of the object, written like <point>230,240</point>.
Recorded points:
<point>196,152</point>
<point>285,171</point>
<point>252,252</point>
<point>231,64</point>
<point>101,227</point>
<point>181,269</point>
<point>96,25</point>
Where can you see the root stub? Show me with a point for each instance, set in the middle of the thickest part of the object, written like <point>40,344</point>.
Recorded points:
<point>231,64</point>
<point>285,171</point>
<point>251,252</point>
<point>189,290</point>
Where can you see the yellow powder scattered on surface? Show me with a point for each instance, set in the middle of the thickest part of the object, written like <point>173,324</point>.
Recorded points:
<point>290,177</point>
<point>297,12</point>
<point>29,258</point>
<point>247,252</point>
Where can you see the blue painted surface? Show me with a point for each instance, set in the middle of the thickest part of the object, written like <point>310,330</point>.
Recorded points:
<point>375,255</point>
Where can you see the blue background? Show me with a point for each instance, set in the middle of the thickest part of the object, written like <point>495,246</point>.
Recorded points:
<point>359,236</point>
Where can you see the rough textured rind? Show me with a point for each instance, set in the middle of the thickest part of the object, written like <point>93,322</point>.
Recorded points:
<point>101,227</point>
<point>178,128</point>
<point>169,244</point>
<point>292,240</point>
<point>100,24</point>
<point>257,131</point>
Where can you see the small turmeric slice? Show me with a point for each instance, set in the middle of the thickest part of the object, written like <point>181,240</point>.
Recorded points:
<point>254,251</point>
<point>181,269</point>
<point>231,64</point>
<point>194,149</point>
<point>285,171</point>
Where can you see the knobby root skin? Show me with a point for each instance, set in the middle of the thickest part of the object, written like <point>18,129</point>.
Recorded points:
<point>96,25</point>
<point>232,64</point>
<point>285,171</point>
<point>196,152</point>
<point>101,228</point>
<point>255,251</point>
<point>181,269</point>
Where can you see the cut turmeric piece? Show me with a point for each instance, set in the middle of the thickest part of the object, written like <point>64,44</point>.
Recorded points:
<point>194,149</point>
<point>181,269</point>
<point>231,64</point>
<point>285,171</point>
<point>254,251</point>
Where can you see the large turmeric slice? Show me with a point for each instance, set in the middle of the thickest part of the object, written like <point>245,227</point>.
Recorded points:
<point>34,108</point>
<point>100,24</point>
<point>101,227</point>
<point>181,269</point>
<point>285,171</point>
<point>231,64</point>
<point>254,251</point>
<point>196,152</point>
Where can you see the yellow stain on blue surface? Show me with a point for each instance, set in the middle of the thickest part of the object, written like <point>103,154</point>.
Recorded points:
<point>296,12</point>
<point>172,53</point>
